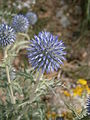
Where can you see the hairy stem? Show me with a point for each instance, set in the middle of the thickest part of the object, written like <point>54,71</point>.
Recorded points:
<point>32,96</point>
<point>9,81</point>
<point>39,74</point>
<point>25,35</point>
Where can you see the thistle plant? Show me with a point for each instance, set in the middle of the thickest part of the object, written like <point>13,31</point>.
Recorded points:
<point>59,118</point>
<point>20,23</point>
<point>7,37</point>
<point>45,52</point>
<point>88,105</point>
<point>32,18</point>
<point>85,112</point>
<point>24,88</point>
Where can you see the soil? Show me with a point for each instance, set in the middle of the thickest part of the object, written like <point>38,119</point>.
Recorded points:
<point>65,19</point>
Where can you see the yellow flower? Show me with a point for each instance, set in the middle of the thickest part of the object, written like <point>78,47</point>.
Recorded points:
<point>53,115</point>
<point>49,115</point>
<point>82,81</point>
<point>66,93</point>
<point>78,91</point>
<point>88,89</point>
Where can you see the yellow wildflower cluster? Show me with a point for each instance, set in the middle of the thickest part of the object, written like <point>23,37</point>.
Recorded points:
<point>82,81</point>
<point>81,88</point>
<point>77,91</point>
<point>53,115</point>
<point>66,93</point>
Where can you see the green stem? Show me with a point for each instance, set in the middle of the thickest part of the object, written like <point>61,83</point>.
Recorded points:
<point>38,76</point>
<point>25,35</point>
<point>21,43</point>
<point>9,81</point>
<point>32,96</point>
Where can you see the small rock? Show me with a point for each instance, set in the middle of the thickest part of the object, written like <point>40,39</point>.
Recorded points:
<point>59,14</point>
<point>32,1</point>
<point>62,2</point>
<point>65,7</point>
<point>65,21</point>
<point>77,10</point>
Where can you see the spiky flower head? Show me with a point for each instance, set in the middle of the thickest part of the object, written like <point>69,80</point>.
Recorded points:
<point>7,35</point>
<point>88,105</point>
<point>59,118</point>
<point>46,52</point>
<point>32,18</point>
<point>20,23</point>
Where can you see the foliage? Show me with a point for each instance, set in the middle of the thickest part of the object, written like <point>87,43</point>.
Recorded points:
<point>21,90</point>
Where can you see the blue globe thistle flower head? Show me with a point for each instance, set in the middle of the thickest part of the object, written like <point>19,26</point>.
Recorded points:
<point>32,18</point>
<point>7,35</point>
<point>46,52</point>
<point>88,105</point>
<point>20,23</point>
<point>59,118</point>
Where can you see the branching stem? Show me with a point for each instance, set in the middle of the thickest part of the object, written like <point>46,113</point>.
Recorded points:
<point>25,35</point>
<point>9,81</point>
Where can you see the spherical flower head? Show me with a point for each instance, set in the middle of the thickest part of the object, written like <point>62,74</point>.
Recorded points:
<point>59,118</point>
<point>7,35</point>
<point>20,23</point>
<point>32,18</point>
<point>88,105</point>
<point>46,52</point>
